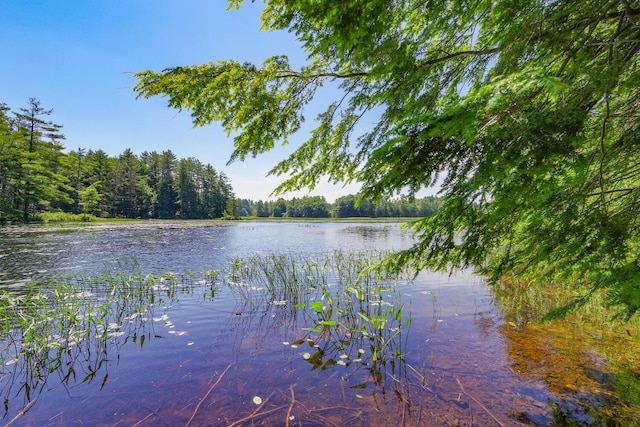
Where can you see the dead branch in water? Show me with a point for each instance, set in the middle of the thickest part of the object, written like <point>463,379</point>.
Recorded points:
<point>293,402</point>
<point>195,411</point>
<point>23,411</point>
<point>255,413</point>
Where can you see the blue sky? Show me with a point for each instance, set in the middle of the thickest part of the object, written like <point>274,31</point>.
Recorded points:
<point>78,57</point>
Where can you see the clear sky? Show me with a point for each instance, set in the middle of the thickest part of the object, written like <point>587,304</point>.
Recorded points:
<point>77,57</point>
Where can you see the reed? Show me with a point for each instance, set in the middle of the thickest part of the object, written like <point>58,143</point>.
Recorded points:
<point>355,313</point>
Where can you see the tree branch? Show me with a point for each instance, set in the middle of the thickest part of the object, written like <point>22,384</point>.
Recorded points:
<point>464,53</point>
<point>289,74</point>
<point>427,63</point>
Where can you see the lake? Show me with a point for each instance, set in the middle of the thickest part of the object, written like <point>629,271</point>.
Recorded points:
<point>265,323</point>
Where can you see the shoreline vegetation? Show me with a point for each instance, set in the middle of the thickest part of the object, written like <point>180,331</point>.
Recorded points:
<point>90,220</point>
<point>43,183</point>
<point>587,332</point>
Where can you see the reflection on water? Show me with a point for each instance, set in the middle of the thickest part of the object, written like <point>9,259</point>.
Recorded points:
<point>277,343</point>
<point>584,388</point>
<point>162,246</point>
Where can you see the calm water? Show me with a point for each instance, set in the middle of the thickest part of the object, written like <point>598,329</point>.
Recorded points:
<point>205,356</point>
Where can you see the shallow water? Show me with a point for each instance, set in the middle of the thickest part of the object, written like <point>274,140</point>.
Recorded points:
<point>206,355</point>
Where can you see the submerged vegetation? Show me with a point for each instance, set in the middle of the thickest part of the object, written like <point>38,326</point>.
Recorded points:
<point>63,332</point>
<point>581,340</point>
<point>69,328</point>
<point>332,314</point>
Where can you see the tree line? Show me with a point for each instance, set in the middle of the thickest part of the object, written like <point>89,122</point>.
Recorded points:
<point>36,176</point>
<point>349,206</point>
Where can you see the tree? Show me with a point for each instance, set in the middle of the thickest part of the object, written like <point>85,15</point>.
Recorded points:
<point>89,198</point>
<point>100,168</point>
<point>132,194</point>
<point>41,180</point>
<point>526,111</point>
<point>160,170</point>
<point>11,155</point>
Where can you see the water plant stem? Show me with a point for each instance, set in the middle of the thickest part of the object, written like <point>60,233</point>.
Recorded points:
<point>23,411</point>
<point>293,402</point>
<point>484,408</point>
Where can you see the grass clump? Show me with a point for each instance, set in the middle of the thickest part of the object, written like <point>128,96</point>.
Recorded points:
<point>353,314</point>
<point>57,217</point>
<point>66,326</point>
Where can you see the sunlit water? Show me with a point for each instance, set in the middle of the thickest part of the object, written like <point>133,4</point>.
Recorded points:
<point>207,357</point>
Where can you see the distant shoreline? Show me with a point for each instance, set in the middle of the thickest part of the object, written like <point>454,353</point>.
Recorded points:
<point>168,224</point>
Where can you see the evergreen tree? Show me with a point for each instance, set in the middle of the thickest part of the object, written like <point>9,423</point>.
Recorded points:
<point>40,179</point>
<point>100,171</point>
<point>132,195</point>
<point>11,156</point>
<point>187,187</point>
<point>525,111</point>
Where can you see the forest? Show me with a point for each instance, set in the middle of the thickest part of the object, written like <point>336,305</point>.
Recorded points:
<point>349,206</point>
<point>37,176</point>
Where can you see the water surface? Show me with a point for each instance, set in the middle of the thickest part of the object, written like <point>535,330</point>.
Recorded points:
<point>206,356</point>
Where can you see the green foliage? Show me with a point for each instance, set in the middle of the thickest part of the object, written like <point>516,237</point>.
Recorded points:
<point>526,111</point>
<point>39,182</point>
<point>354,314</point>
<point>31,161</point>
<point>350,206</point>
<point>62,332</point>
<point>48,217</point>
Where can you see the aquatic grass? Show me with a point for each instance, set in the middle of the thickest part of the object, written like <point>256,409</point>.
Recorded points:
<point>68,326</point>
<point>276,278</point>
<point>61,332</point>
<point>353,312</point>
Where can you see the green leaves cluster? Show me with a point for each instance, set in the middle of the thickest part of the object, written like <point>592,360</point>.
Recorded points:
<point>525,112</point>
<point>37,176</point>
<point>31,161</point>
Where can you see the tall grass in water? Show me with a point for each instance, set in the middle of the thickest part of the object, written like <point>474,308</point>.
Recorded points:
<point>354,313</point>
<point>67,326</point>
<point>62,332</point>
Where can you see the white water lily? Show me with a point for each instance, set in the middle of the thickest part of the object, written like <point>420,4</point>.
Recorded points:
<point>306,356</point>
<point>257,400</point>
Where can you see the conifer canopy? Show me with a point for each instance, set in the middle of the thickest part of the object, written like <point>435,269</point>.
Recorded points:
<point>526,112</point>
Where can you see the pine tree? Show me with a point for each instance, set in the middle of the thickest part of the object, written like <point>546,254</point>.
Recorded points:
<point>526,112</point>
<point>41,180</point>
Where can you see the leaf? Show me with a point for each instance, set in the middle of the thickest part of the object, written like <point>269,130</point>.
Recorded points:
<point>328,322</point>
<point>317,306</point>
